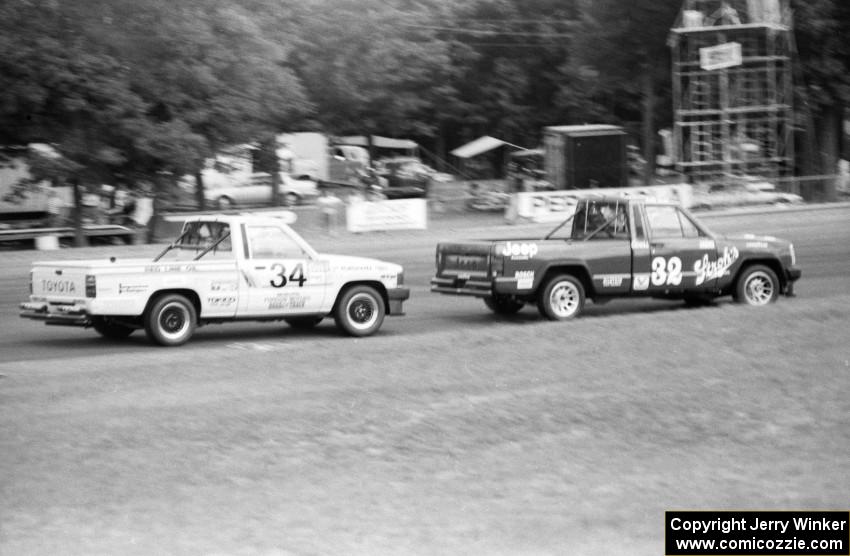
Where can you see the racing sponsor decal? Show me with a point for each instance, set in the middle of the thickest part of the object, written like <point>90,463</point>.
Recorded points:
<point>519,251</point>
<point>286,301</point>
<point>170,268</point>
<point>611,280</point>
<point>640,244</point>
<point>706,244</point>
<point>708,270</point>
<point>641,281</point>
<point>524,279</point>
<point>132,288</point>
<point>221,301</point>
<point>223,285</point>
<point>757,245</point>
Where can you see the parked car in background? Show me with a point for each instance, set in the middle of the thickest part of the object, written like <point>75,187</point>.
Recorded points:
<point>257,190</point>
<point>406,177</point>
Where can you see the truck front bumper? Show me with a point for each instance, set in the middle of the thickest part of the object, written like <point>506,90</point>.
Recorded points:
<point>58,314</point>
<point>396,298</point>
<point>792,274</point>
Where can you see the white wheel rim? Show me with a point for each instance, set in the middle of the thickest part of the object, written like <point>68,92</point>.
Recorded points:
<point>173,321</point>
<point>362,311</point>
<point>759,289</point>
<point>564,299</point>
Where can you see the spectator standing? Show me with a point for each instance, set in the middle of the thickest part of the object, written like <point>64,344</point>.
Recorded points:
<point>55,208</point>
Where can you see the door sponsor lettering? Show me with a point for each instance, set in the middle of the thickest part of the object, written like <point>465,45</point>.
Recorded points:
<point>708,270</point>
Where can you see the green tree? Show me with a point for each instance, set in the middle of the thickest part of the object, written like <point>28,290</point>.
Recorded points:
<point>625,42</point>
<point>141,89</point>
<point>823,83</point>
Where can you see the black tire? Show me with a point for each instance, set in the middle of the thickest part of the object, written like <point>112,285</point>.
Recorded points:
<point>359,311</point>
<point>503,304</point>
<point>562,298</point>
<point>111,329</point>
<point>757,285</point>
<point>171,320</point>
<point>303,323</point>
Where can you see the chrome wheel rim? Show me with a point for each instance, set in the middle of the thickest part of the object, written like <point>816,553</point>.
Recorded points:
<point>759,289</point>
<point>564,299</point>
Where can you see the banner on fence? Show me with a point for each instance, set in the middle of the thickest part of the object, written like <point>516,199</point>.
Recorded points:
<point>400,214</point>
<point>554,206</point>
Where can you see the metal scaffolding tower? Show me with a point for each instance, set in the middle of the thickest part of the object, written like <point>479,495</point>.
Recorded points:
<point>732,90</point>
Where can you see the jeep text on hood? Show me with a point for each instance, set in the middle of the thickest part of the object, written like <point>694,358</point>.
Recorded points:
<point>617,247</point>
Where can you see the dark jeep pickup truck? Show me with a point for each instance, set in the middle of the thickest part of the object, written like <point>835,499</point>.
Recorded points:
<point>617,247</point>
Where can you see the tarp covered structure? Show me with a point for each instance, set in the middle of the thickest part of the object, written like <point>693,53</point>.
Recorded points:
<point>480,146</point>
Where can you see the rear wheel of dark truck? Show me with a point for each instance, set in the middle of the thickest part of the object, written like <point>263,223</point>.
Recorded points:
<point>561,298</point>
<point>171,320</point>
<point>503,304</point>
<point>108,328</point>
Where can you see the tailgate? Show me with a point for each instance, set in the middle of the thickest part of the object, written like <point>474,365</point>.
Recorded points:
<point>59,282</point>
<point>464,260</point>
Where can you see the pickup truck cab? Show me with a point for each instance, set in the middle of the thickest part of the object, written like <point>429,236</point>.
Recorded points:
<point>617,247</point>
<point>221,268</point>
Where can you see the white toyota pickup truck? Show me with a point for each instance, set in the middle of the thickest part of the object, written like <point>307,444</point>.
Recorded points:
<point>221,268</point>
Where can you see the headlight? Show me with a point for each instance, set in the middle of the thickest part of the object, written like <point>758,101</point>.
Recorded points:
<point>793,254</point>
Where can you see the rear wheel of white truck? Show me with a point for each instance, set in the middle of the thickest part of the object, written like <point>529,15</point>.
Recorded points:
<point>562,298</point>
<point>108,328</point>
<point>171,320</point>
<point>359,311</point>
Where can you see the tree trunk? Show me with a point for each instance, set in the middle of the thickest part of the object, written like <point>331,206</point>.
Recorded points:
<point>80,239</point>
<point>200,192</point>
<point>648,126</point>
<point>829,142</point>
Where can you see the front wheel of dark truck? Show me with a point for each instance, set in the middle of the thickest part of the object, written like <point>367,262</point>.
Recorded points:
<point>503,304</point>
<point>561,298</point>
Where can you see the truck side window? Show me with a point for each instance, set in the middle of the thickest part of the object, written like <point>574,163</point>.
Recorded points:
<point>669,222</point>
<point>271,242</point>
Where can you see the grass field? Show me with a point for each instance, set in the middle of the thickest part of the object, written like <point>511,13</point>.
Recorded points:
<point>518,438</point>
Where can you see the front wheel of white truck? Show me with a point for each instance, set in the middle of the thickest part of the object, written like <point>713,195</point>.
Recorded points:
<point>359,311</point>
<point>170,320</point>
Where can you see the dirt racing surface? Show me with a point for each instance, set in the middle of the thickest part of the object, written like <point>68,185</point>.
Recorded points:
<point>457,433</point>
